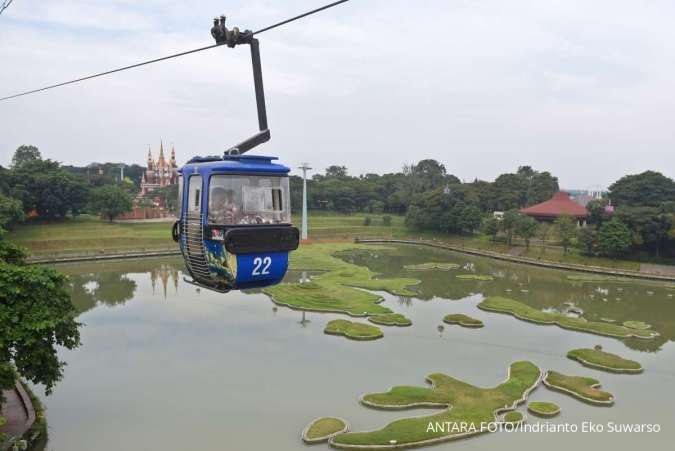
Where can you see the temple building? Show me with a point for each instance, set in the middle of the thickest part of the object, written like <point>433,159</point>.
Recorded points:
<point>159,173</point>
<point>560,204</point>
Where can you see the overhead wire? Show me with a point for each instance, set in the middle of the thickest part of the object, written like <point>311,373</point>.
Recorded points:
<point>4,5</point>
<point>164,58</point>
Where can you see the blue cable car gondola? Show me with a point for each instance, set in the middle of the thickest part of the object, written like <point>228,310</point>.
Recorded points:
<point>235,226</point>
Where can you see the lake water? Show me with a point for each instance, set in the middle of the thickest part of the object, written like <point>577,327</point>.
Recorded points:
<point>166,367</point>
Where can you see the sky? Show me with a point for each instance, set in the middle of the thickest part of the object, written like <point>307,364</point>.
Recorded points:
<point>585,90</point>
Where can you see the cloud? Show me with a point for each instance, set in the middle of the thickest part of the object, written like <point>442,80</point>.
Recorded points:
<point>576,88</point>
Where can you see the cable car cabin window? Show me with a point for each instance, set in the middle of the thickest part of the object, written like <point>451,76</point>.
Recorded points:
<point>194,194</point>
<point>248,200</point>
<point>180,196</point>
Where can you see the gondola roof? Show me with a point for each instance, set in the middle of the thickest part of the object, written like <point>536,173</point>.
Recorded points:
<point>237,163</point>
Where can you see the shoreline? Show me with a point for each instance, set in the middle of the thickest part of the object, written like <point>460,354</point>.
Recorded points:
<point>524,260</point>
<point>101,257</point>
<point>25,417</point>
<point>435,244</point>
<point>579,396</point>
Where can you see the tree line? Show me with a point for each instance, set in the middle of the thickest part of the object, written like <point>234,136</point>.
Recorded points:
<point>432,199</point>
<point>429,197</point>
<point>43,188</point>
<point>417,185</point>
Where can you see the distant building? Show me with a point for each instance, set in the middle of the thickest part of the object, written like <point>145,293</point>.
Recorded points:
<point>582,199</point>
<point>560,204</point>
<point>159,173</point>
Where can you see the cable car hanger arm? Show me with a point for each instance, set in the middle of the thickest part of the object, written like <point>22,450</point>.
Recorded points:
<point>232,38</point>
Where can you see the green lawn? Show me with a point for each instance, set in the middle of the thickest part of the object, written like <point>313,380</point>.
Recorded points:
<point>525,312</point>
<point>543,408</point>
<point>337,226</point>
<point>601,360</point>
<point>336,289</point>
<point>463,320</point>
<point>321,429</point>
<point>513,417</point>
<point>639,325</point>
<point>90,234</point>
<point>550,253</point>
<point>353,330</point>
<point>390,319</point>
<point>584,388</point>
<point>462,403</point>
<point>557,255</point>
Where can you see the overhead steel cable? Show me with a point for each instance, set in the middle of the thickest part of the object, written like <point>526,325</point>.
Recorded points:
<point>101,74</point>
<point>164,58</point>
<point>4,5</point>
<point>308,13</point>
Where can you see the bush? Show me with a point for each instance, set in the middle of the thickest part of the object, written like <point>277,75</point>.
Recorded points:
<point>567,229</point>
<point>490,226</point>
<point>375,206</point>
<point>587,239</point>
<point>367,221</point>
<point>111,201</point>
<point>7,381</point>
<point>35,302</point>
<point>11,211</point>
<point>614,238</point>
<point>386,220</point>
<point>526,228</point>
<point>10,253</point>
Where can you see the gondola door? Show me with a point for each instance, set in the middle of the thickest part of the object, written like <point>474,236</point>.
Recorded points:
<point>192,236</point>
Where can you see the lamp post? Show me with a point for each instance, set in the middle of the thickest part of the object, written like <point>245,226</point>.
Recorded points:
<point>305,167</point>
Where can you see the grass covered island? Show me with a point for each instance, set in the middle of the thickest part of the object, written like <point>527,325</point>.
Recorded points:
<point>463,320</point>
<point>390,319</point>
<point>460,401</point>
<point>479,277</point>
<point>543,409</point>
<point>638,325</point>
<point>583,388</point>
<point>352,330</point>
<point>431,266</point>
<point>321,429</point>
<point>513,417</point>
<point>336,289</point>
<point>525,312</point>
<point>596,358</point>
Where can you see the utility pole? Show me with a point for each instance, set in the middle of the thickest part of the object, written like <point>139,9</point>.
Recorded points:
<point>121,173</point>
<point>305,167</point>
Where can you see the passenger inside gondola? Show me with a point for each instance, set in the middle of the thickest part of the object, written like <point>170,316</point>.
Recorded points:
<point>252,200</point>
<point>222,207</point>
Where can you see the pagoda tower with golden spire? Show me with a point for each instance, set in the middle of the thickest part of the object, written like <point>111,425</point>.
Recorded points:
<point>160,173</point>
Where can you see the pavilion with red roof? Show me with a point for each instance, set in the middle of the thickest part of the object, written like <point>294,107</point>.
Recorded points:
<point>560,204</point>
